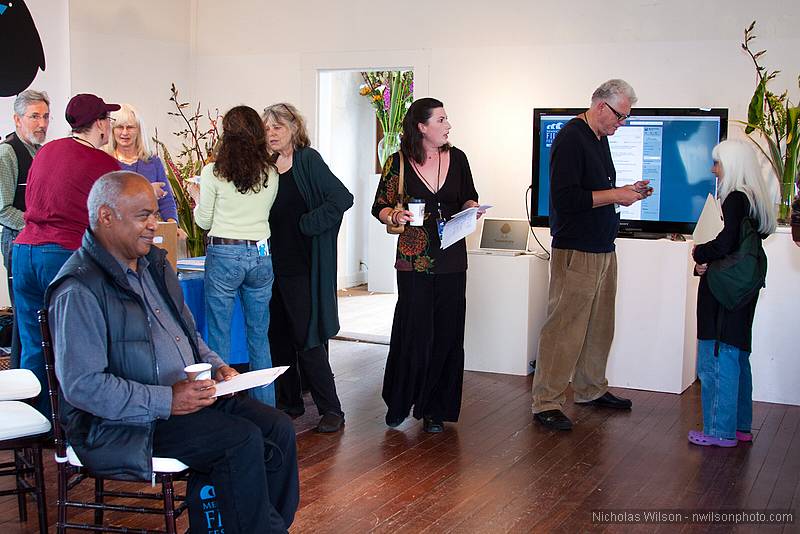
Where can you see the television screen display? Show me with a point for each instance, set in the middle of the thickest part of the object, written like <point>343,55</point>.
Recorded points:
<point>670,147</point>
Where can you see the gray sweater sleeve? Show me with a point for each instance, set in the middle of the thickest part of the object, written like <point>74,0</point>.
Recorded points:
<point>81,363</point>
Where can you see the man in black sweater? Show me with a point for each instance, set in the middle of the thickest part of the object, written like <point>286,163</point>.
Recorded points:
<point>584,219</point>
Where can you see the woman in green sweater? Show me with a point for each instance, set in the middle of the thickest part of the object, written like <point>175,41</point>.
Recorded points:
<point>236,194</point>
<point>305,221</point>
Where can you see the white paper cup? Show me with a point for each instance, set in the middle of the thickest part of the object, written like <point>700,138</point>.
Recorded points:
<point>417,208</point>
<point>198,371</point>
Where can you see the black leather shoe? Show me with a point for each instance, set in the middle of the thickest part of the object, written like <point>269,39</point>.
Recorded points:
<point>330,422</point>
<point>609,400</point>
<point>431,425</point>
<point>394,422</point>
<point>554,419</point>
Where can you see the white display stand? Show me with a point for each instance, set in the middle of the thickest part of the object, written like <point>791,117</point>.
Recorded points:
<point>655,344</point>
<point>775,360</point>
<point>506,307</point>
<point>655,327</point>
<point>655,333</point>
<point>381,249</point>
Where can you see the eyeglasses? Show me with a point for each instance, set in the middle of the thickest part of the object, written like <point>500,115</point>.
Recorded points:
<point>620,116</point>
<point>36,117</point>
<point>294,119</point>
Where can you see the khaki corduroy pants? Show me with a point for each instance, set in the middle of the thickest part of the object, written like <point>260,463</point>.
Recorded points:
<point>577,335</point>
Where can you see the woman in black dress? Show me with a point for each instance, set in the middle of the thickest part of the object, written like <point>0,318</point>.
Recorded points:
<point>305,221</point>
<point>425,366</point>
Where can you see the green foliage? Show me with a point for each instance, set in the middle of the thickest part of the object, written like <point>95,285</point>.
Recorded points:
<point>390,93</point>
<point>777,123</point>
<point>197,149</point>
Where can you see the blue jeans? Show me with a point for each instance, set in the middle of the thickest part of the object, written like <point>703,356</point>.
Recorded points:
<point>33,268</point>
<point>726,389</point>
<point>232,269</point>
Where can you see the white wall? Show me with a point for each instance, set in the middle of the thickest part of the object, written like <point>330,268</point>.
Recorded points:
<point>131,51</point>
<point>345,118</point>
<point>51,19</point>
<point>52,22</point>
<point>492,63</point>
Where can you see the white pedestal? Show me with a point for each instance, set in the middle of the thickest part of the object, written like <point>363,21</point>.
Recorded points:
<point>506,307</point>
<point>655,346</point>
<point>775,360</point>
<point>655,336</point>
<point>381,276</point>
<point>655,342</point>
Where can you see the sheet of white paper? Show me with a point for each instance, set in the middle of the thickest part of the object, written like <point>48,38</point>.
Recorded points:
<point>253,379</point>
<point>710,224</point>
<point>461,225</point>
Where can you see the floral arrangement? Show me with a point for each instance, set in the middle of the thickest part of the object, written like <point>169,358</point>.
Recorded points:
<point>777,123</point>
<point>197,149</point>
<point>391,94</point>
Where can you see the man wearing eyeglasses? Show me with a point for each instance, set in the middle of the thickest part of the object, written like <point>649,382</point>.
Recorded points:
<point>31,119</point>
<point>56,217</point>
<point>584,219</point>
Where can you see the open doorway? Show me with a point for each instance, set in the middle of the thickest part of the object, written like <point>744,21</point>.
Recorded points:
<point>347,133</point>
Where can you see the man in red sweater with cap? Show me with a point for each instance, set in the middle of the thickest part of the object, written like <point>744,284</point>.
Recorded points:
<point>59,181</point>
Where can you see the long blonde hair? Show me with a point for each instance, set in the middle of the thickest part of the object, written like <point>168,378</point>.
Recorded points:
<point>127,114</point>
<point>741,172</point>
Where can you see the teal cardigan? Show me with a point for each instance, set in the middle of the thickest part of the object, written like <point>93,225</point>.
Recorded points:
<point>327,199</point>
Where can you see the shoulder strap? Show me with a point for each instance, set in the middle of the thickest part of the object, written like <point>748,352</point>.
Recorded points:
<point>401,184</point>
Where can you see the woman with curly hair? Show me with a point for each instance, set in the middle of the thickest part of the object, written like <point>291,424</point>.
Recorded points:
<point>236,194</point>
<point>425,366</point>
<point>305,223</point>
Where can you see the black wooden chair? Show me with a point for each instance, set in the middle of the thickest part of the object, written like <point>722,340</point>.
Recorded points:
<point>71,472</point>
<point>24,431</point>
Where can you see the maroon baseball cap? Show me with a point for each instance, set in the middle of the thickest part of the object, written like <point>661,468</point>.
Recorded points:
<point>84,108</point>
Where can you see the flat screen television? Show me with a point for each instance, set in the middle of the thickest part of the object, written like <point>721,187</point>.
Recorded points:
<point>669,146</point>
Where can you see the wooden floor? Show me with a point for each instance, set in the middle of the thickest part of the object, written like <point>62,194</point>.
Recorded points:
<point>496,471</point>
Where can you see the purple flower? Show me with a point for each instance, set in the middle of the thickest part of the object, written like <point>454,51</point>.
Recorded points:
<point>411,88</point>
<point>387,99</point>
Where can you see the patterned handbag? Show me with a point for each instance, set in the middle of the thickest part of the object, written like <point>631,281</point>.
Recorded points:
<point>398,228</point>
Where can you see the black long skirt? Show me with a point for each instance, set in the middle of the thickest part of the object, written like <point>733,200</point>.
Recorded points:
<point>425,366</point>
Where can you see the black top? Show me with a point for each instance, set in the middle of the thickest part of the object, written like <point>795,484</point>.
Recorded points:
<point>419,247</point>
<point>579,164</point>
<point>737,325</point>
<point>291,250</point>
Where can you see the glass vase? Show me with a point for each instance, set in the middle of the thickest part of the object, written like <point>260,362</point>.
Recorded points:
<point>388,146</point>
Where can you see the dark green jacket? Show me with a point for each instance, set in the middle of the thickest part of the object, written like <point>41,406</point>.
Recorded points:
<point>327,199</point>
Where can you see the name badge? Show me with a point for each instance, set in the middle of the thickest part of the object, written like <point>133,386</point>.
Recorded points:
<point>263,247</point>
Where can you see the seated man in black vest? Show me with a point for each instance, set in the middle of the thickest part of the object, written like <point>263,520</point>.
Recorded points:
<point>122,376</point>
<point>31,120</point>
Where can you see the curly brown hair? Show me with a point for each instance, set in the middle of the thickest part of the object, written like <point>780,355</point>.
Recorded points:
<point>242,156</point>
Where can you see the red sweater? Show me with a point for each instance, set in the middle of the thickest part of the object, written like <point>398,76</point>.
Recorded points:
<point>61,176</point>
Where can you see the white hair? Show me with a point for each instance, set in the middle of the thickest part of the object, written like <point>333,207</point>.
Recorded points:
<point>128,115</point>
<point>106,191</point>
<point>614,89</point>
<point>741,172</point>
<point>28,97</point>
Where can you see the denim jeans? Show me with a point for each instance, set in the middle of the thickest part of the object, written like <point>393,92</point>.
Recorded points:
<point>33,268</point>
<point>232,269</point>
<point>726,389</point>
